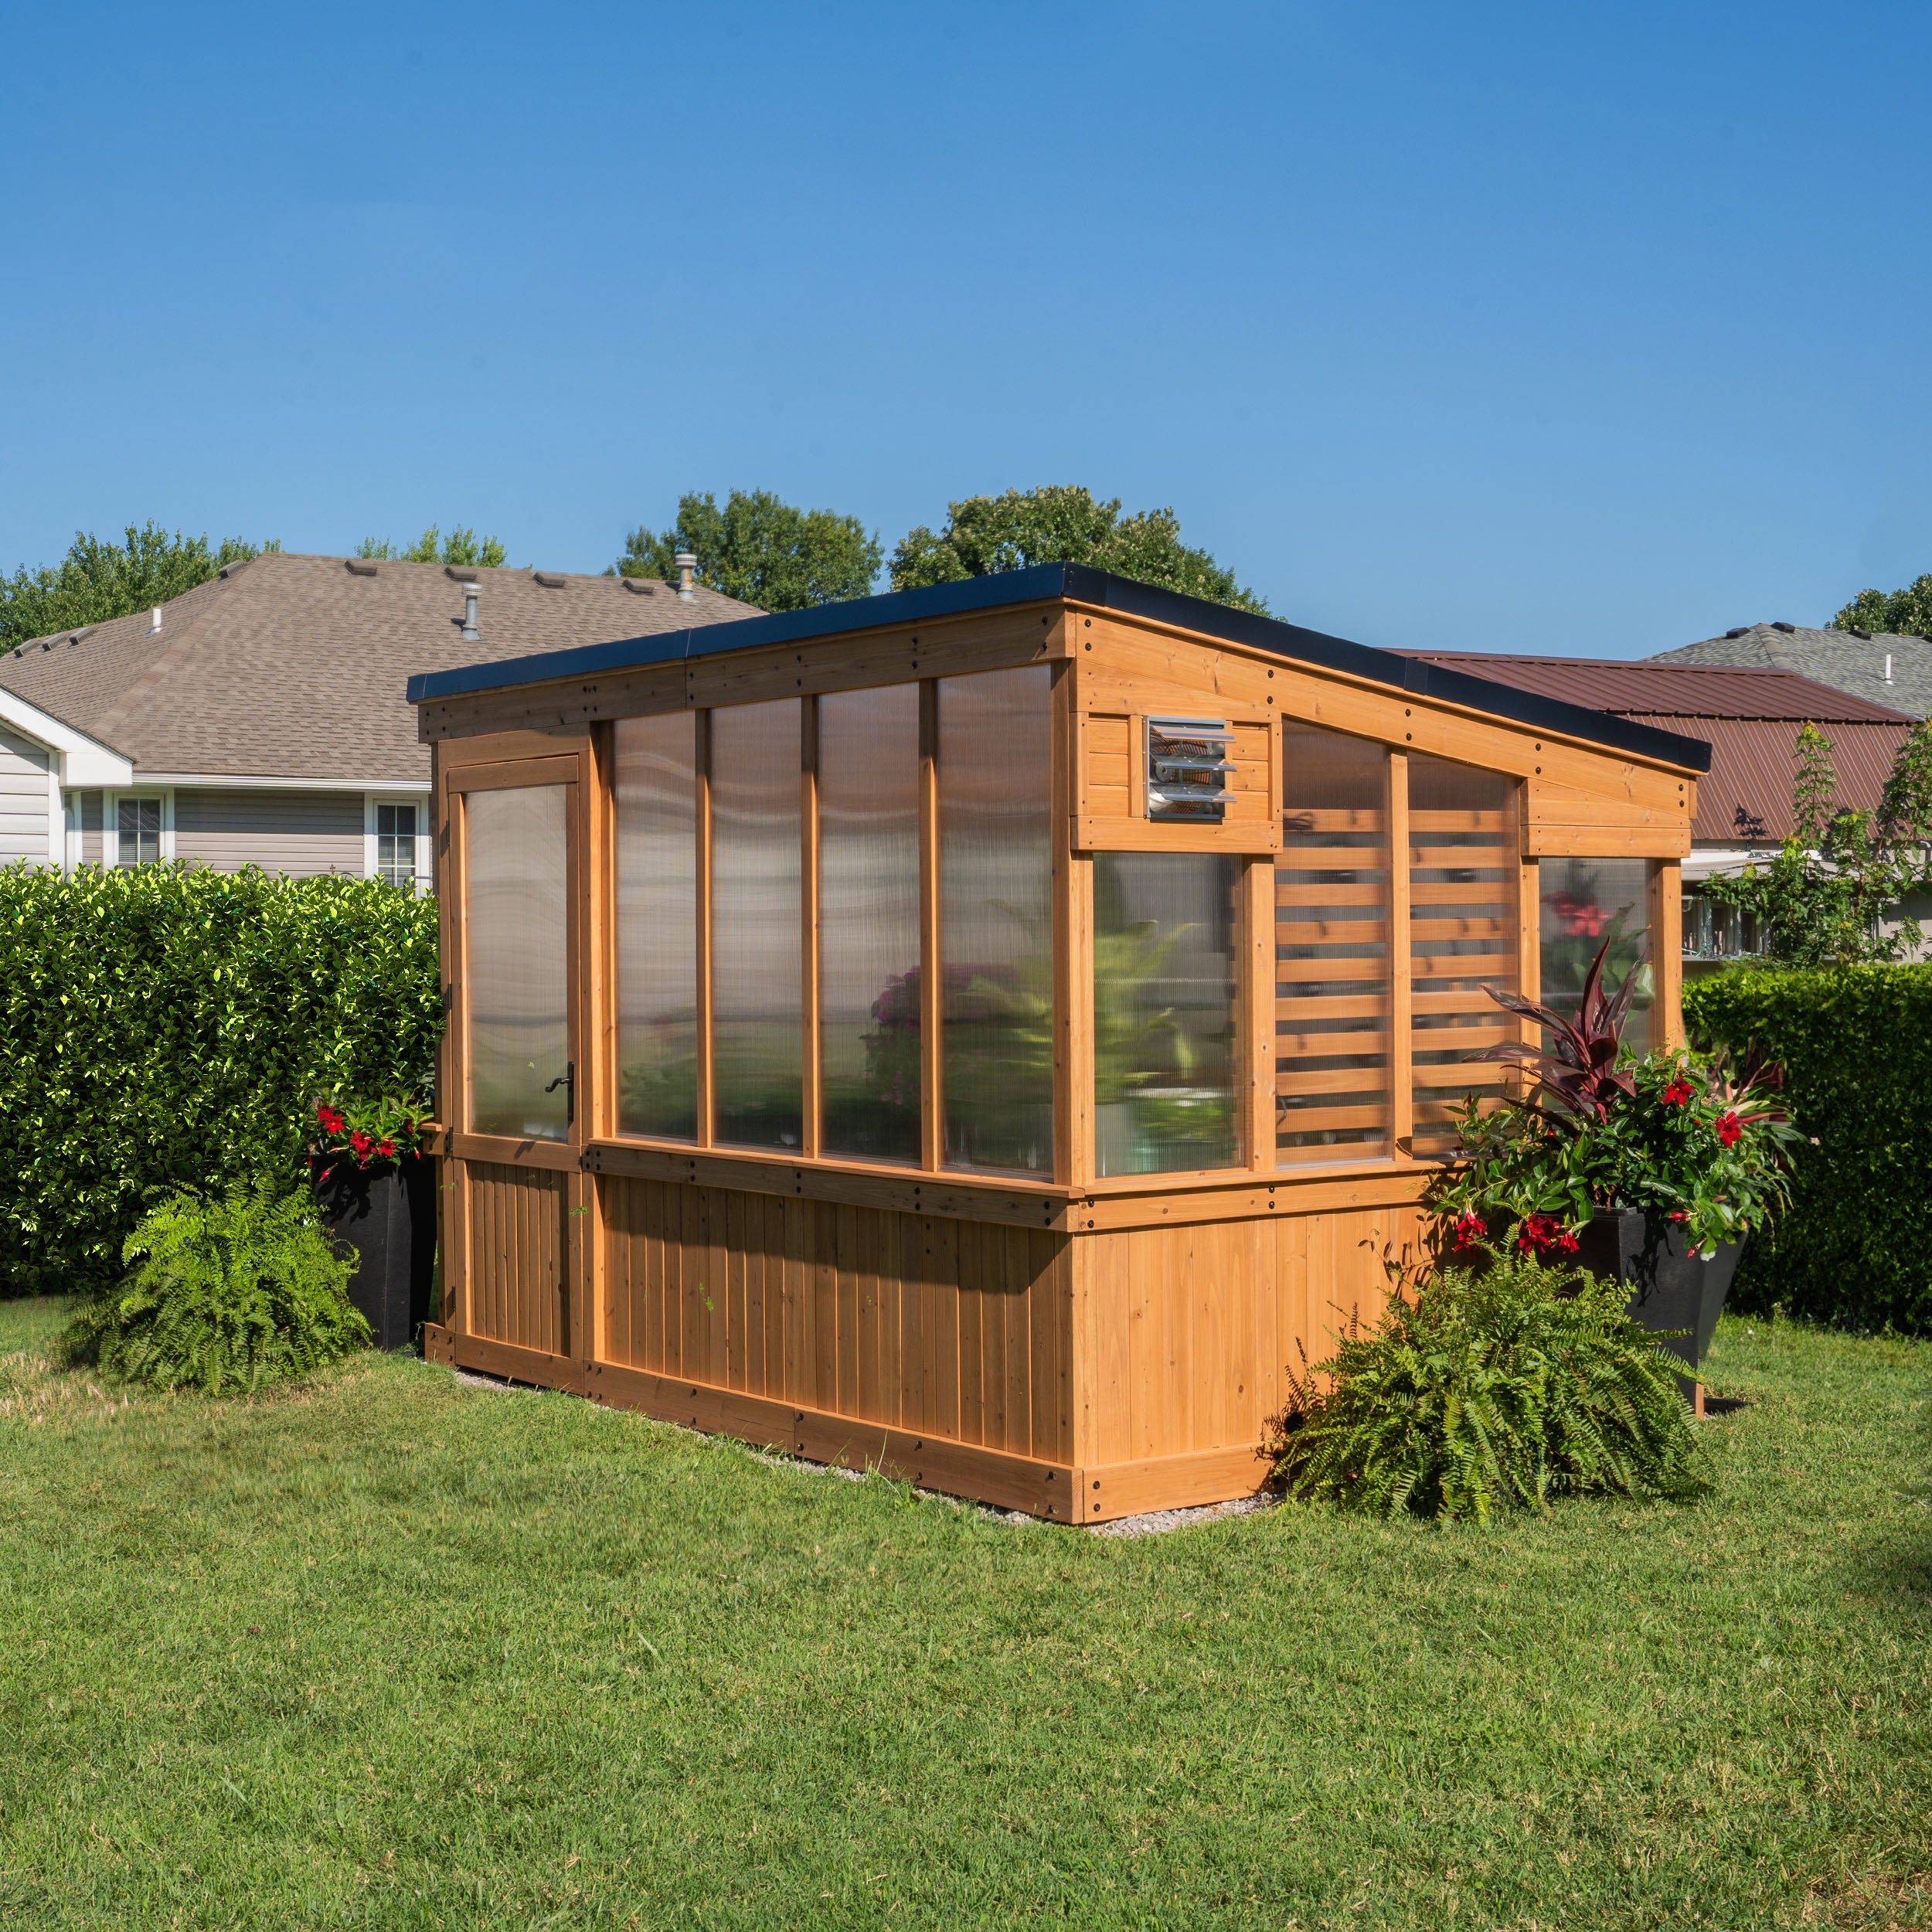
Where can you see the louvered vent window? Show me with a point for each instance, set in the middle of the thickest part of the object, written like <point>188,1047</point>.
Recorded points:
<point>1189,762</point>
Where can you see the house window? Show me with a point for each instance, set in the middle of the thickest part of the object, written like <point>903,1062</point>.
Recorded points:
<point>139,828</point>
<point>395,845</point>
<point>1711,931</point>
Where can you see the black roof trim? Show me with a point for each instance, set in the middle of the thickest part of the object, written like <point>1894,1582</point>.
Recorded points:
<point>1077,582</point>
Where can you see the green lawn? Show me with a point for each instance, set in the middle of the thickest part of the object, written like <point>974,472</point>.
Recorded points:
<point>394,1652</point>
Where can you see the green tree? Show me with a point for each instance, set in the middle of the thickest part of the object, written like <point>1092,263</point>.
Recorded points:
<point>462,546</point>
<point>760,550</point>
<point>99,579</point>
<point>1063,524</point>
<point>1906,613</point>
<point>1821,900</point>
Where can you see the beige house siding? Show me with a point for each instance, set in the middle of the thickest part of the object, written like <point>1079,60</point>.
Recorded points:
<point>90,827</point>
<point>301,833</point>
<point>23,801</point>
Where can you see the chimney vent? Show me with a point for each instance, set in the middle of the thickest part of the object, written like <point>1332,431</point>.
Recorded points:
<point>687,563</point>
<point>470,593</point>
<point>1888,667</point>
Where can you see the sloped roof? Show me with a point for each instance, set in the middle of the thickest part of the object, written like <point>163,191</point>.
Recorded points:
<point>1749,717</point>
<point>296,667</point>
<point>1843,659</point>
<point>1078,584</point>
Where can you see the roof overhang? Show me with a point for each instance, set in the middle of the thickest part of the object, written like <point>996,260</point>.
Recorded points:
<point>1075,584</point>
<point>82,761</point>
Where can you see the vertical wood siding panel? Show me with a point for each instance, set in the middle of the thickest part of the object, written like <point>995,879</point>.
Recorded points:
<point>825,1293</point>
<point>972,1364</point>
<point>738,1265</point>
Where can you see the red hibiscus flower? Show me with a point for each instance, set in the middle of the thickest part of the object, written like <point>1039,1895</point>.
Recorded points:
<point>1730,1129</point>
<point>1677,1093</point>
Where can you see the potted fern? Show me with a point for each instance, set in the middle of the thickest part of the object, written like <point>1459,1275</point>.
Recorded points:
<point>375,1192</point>
<point>1651,1171</point>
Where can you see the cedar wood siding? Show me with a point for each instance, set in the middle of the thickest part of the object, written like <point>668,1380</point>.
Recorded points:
<point>24,831</point>
<point>301,833</point>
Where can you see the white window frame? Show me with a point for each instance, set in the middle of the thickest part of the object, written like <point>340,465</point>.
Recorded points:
<point>111,822</point>
<point>420,800</point>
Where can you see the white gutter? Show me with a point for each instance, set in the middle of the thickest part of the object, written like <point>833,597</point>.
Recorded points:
<point>220,781</point>
<point>82,761</point>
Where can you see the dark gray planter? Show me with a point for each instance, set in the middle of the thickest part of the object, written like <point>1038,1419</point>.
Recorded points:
<point>1670,1287</point>
<point>387,1215</point>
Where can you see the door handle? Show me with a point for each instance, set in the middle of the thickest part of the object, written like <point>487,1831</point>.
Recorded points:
<point>567,1080</point>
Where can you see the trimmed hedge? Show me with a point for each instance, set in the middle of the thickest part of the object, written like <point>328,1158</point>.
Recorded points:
<point>169,1027</point>
<point>1855,1043</point>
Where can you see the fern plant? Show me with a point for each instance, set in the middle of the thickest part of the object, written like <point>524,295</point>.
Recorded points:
<point>1498,1390</point>
<point>224,1295</point>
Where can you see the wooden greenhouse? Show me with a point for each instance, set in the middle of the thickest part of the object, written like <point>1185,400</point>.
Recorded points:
<point>983,1032</point>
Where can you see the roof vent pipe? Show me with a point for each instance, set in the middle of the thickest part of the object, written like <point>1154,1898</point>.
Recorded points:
<point>1888,667</point>
<point>154,623</point>
<point>470,593</point>
<point>686,563</point>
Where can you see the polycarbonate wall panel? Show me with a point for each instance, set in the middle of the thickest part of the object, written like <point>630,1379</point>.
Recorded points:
<point>757,1034</point>
<point>1586,903</point>
<point>1333,971</point>
<point>995,893</point>
<point>516,942</point>
<point>657,919</point>
<point>868,923</point>
<point>1164,980</point>
<point>1463,840</point>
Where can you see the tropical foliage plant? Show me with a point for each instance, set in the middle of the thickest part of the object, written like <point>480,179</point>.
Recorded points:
<point>1477,1391</point>
<point>1682,1135</point>
<point>367,1133</point>
<point>224,1295</point>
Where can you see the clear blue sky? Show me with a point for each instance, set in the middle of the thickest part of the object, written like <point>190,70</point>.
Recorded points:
<point>1592,329</point>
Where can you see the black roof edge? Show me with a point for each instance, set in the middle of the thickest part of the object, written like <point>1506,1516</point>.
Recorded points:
<point>1081,584</point>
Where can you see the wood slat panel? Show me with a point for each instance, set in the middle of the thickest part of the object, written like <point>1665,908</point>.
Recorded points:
<point>516,1255</point>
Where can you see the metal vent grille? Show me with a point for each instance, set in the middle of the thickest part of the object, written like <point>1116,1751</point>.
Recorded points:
<point>1188,769</point>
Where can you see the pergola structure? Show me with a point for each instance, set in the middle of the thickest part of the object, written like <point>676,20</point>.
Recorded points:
<point>984,1032</point>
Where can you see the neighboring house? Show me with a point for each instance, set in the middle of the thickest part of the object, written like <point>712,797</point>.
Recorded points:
<point>260,719</point>
<point>1750,718</point>
<point>1884,668</point>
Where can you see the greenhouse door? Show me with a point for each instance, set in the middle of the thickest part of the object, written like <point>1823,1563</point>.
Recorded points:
<point>517,1110</point>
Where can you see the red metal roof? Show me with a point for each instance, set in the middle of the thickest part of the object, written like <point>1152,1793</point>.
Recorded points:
<point>1750,719</point>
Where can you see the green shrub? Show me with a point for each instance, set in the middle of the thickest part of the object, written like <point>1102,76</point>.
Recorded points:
<point>1855,1248</point>
<point>1503,1388</point>
<point>167,1027</point>
<point>223,1295</point>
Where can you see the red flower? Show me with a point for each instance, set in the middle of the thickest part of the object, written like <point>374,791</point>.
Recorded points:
<point>1677,1214</point>
<point>330,1120</point>
<point>1468,1232</point>
<point>1544,1234</point>
<point>1677,1093</point>
<point>387,1149</point>
<point>1730,1129</point>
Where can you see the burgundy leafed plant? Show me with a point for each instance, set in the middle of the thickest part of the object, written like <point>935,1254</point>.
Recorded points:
<point>1578,1069</point>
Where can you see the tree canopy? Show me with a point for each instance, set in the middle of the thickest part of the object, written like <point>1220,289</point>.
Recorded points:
<point>760,550</point>
<point>99,579</point>
<point>1063,524</point>
<point>462,546</point>
<point>1906,613</point>
<point>1822,899</point>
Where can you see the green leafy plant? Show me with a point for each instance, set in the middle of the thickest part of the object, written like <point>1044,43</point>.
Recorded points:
<point>367,1133</point>
<point>1477,1391</point>
<point>168,1027</point>
<point>1855,1247</point>
<point>1677,1134</point>
<point>226,1295</point>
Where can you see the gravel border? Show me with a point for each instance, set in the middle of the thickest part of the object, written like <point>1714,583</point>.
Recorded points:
<point>1155,1522</point>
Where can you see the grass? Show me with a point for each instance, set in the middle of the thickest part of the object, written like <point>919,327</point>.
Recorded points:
<point>390,1651</point>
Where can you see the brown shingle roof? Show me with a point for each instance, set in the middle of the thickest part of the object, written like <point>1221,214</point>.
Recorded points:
<point>1848,660</point>
<point>295,667</point>
<point>1750,719</point>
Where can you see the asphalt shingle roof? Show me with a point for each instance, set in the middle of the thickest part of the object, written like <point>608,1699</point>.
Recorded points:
<point>296,667</point>
<point>1841,659</point>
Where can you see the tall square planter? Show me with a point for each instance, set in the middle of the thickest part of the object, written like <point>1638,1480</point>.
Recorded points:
<point>1670,1287</point>
<point>387,1215</point>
